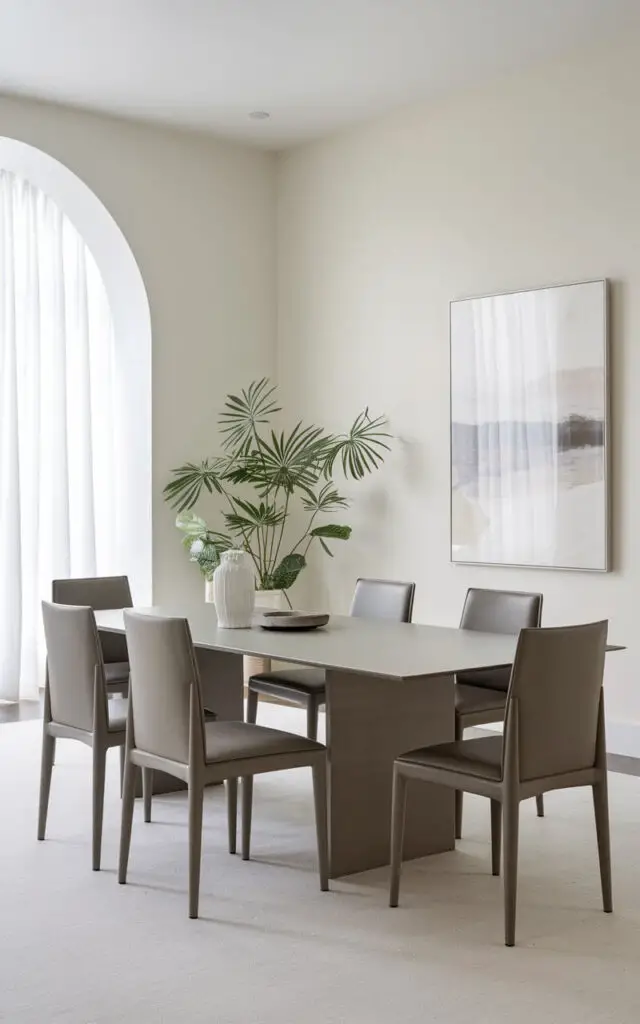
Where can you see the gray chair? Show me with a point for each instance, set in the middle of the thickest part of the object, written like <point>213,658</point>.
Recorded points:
<point>554,738</point>
<point>102,593</point>
<point>166,730</point>
<point>481,695</point>
<point>372,599</point>
<point>76,705</point>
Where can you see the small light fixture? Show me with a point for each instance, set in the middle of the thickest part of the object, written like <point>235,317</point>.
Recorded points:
<point>259,115</point>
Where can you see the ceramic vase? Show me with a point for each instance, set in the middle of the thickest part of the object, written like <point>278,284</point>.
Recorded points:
<point>234,590</point>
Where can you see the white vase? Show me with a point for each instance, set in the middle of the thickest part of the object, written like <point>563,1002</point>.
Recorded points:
<point>234,591</point>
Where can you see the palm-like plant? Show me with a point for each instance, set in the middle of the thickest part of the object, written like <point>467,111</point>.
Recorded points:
<point>281,468</point>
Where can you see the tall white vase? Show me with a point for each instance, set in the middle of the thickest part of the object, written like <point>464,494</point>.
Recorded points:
<point>233,590</point>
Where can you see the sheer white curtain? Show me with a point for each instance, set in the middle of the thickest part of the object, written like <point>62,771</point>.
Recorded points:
<point>59,490</point>
<point>515,349</point>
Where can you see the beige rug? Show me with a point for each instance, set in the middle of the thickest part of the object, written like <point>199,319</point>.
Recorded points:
<point>75,947</point>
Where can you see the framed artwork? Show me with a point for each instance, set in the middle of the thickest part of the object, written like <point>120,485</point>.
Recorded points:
<point>530,428</point>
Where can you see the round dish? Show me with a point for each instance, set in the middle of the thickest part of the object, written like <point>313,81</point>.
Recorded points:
<point>297,621</point>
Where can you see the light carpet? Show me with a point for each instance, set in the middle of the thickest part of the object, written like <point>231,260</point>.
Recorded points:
<point>270,947</point>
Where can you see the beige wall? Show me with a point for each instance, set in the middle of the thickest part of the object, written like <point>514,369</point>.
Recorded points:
<point>535,180</point>
<point>199,216</point>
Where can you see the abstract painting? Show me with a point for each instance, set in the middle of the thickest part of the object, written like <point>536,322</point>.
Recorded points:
<point>529,428</point>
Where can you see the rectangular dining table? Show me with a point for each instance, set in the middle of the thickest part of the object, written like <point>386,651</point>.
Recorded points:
<point>389,689</point>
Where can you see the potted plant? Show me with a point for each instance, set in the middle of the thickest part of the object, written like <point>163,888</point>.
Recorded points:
<point>260,477</point>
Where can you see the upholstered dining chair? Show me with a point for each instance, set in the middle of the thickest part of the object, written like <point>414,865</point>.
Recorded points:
<point>554,738</point>
<point>166,730</point>
<point>372,599</point>
<point>101,593</point>
<point>481,695</point>
<point>76,705</point>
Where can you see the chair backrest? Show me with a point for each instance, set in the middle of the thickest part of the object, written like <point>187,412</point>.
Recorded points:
<point>557,681</point>
<point>163,675</point>
<point>99,593</point>
<point>383,599</point>
<point>73,654</point>
<point>497,611</point>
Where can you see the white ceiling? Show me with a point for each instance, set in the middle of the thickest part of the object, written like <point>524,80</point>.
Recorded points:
<point>315,65</point>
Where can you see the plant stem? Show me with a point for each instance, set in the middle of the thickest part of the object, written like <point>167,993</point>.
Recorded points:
<point>273,565</point>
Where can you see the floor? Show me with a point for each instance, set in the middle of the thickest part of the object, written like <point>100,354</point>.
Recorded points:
<point>270,947</point>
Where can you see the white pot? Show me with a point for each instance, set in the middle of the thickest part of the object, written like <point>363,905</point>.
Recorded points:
<point>271,600</point>
<point>234,591</point>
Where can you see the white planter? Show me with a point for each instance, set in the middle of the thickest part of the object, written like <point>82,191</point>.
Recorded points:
<point>234,591</point>
<point>271,600</point>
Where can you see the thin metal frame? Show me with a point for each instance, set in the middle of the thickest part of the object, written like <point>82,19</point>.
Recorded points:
<point>606,326</point>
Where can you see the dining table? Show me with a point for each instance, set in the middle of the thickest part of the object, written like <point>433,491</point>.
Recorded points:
<point>389,689</point>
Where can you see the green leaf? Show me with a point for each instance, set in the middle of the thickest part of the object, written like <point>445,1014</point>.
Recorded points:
<point>360,451</point>
<point>183,492</point>
<point>331,530</point>
<point>243,413</point>
<point>325,548</point>
<point>327,500</point>
<point>288,571</point>
<point>288,460</point>
<point>191,524</point>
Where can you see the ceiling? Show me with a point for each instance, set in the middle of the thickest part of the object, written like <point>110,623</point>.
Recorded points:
<point>314,65</point>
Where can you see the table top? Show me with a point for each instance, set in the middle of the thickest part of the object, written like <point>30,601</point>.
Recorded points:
<point>369,647</point>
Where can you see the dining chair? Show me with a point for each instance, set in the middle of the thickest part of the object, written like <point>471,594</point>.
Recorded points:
<point>166,730</point>
<point>306,687</point>
<point>481,694</point>
<point>554,738</point>
<point>76,705</point>
<point>102,593</point>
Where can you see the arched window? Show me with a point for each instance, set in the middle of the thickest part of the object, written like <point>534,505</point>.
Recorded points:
<point>65,416</point>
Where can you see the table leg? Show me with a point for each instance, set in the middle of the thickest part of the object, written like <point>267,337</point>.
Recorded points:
<point>370,721</point>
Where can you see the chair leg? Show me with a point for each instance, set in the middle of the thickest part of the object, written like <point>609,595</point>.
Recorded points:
<point>459,796</point>
<point>99,771</point>
<point>496,836</point>
<point>122,759</point>
<point>398,810</point>
<point>147,792</point>
<point>232,812</point>
<point>511,821</point>
<point>252,706</point>
<point>247,807</point>
<point>601,809</point>
<point>196,798</point>
<point>320,800</point>
<point>46,768</point>
<point>540,805</point>
<point>312,718</point>
<point>131,773</point>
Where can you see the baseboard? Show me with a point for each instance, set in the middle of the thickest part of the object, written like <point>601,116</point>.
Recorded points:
<point>623,738</point>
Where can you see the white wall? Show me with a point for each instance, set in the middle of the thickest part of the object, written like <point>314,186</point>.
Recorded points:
<point>533,181</point>
<point>199,217</point>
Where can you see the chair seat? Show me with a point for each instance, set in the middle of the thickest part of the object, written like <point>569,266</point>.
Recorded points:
<point>478,700</point>
<point>481,758</point>
<point>299,680</point>
<point>233,741</point>
<point>116,672</point>
<point>490,678</point>
<point>117,709</point>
